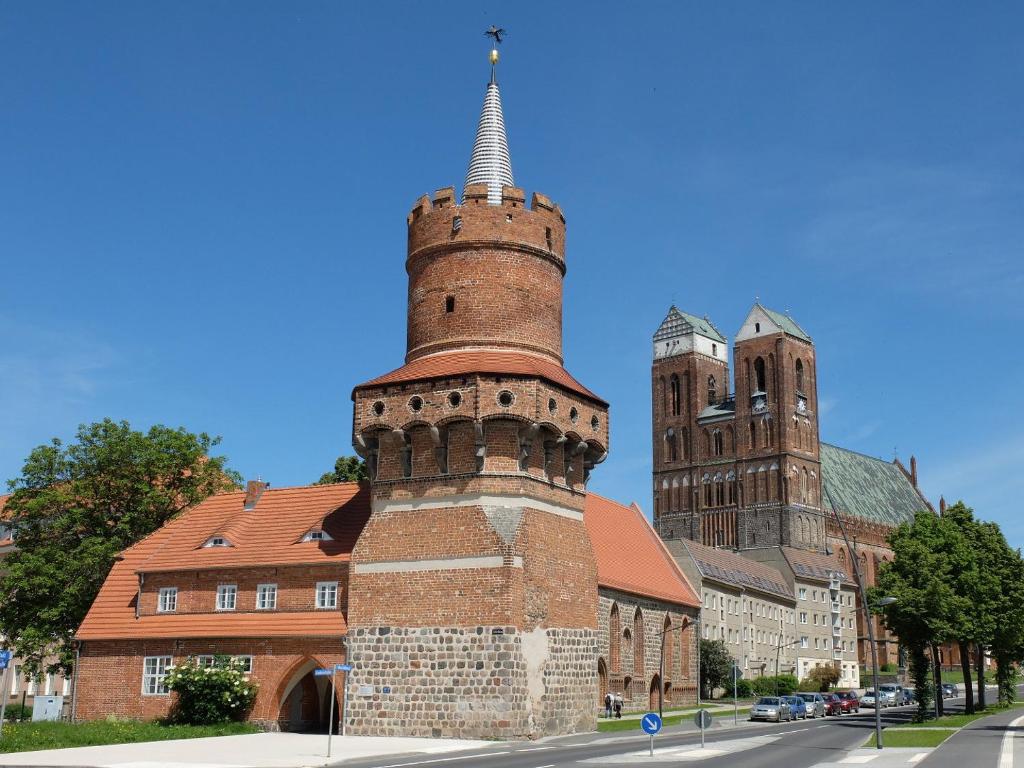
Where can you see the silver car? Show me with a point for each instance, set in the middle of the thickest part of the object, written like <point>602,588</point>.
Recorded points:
<point>774,708</point>
<point>814,703</point>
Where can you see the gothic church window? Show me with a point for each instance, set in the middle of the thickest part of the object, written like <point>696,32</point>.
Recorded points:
<point>674,390</point>
<point>718,442</point>
<point>614,633</point>
<point>671,447</point>
<point>759,374</point>
<point>711,390</point>
<point>800,375</point>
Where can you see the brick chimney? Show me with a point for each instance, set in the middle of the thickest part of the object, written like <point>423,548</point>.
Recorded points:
<point>913,471</point>
<point>253,490</point>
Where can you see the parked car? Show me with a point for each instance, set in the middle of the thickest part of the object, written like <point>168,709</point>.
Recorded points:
<point>949,691</point>
<point>814,703</point>
<point>774,708</point>
<point>893,693</point>
<point>797,706</point>
<point>833,704</point>
<point>850,701</point>
<point>870,699</point>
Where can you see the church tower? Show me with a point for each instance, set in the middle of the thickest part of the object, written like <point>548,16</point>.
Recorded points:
<point>473,587</point>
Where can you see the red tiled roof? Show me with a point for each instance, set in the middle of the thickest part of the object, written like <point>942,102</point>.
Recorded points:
<point>630,555</point>
<point>446,364</point>
<point>268,534</point>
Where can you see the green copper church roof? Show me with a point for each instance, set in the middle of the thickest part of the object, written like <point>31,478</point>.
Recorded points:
<point>867,487</point>
<point>677,322</point>
<point>786,323</point>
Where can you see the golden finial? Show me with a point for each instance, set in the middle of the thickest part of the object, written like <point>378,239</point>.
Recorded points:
<point>494,56</point>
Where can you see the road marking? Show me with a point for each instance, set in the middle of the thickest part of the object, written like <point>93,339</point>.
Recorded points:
<point>858,759</point>
<point>1006,750</point>
<point>534,749</point>
<point>918,757</point>
<point>446,759</point>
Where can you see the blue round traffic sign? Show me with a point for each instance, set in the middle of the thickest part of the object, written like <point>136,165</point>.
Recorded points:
<point>651,723</point>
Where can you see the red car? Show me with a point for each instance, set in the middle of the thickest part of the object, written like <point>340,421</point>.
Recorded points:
<point>849,702</point>
<point>833,704</point>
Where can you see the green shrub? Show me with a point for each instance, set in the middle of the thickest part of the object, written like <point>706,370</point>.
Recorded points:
<point>744,688</point>
<point>887,668</point>
<point>17,712</point>
<point>207,695</point>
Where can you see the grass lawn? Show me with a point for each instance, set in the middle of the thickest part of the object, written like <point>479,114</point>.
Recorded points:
<point>912,738</point>
<point>959,721</point>
<point>25,737</point>
<point>604,726</point>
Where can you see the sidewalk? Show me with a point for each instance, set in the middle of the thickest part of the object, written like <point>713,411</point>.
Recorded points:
<point>260,750</point>
<point>890,757</point>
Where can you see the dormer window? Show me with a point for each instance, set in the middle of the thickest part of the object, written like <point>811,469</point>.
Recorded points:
<point>217,541</point>
<point>317,534</point>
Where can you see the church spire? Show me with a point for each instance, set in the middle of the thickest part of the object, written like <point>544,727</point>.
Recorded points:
<point>490,163</point>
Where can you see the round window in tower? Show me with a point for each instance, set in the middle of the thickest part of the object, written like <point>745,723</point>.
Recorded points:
<point>415,403</point>
<point>378,408</point>
<point>552,405</point>
<point>505,398</point>
<point>454,399</point>
<point>595,422</point>
<point>574,415</point>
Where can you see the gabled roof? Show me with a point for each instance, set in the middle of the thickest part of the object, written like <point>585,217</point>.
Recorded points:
<point>726,567</point>
<point>630,555</point>
<point>677,323</point>
<point>785,322</point>
<point>869,488</point>
<point>268,534</point>
<point>445,364</point>
<point>814,565</point>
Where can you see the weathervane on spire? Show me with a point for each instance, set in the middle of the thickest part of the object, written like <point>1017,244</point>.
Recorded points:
<point>496,33</point>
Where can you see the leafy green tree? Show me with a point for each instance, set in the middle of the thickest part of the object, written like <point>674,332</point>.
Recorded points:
<point>715,666</point>
<point>927,608</point>
<point>75,507</point>
<point>347,469</point>
<point>1007,638</point>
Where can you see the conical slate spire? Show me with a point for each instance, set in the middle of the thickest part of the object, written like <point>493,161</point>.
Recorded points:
<point>490,163</point>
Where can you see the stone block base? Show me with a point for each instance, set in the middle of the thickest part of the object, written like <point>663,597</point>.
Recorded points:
<point>471,682</point>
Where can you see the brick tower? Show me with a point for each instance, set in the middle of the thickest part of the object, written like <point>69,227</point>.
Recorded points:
<point>736,470</point>
<point>473,587</point>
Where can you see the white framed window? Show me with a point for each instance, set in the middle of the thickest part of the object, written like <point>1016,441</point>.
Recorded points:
<point>227,597</point>
<point>803,617</point>
<point>815,619</point>
<point>327,594</point>
<point>168,601</point>
<point>803,593</point>
<point>803,641</point>
<point>14,679</point>
<point>317,534</point>
<point>66,689</point>
<point>154,670</point>
<point>815,643</point>
<point>266,597</point>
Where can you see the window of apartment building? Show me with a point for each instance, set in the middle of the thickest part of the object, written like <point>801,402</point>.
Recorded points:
<point>850,623</point>
<point>814,596</point>
<point>266,597</point>
<point>803,617</point>
<point>815,618</point>
<point>816,644</point>
<point>826,643</point>
<point>154,670</point>
<point>803,593</point>
<point>168,600</point>
<point>803,641</point>
<point>227,597</point>
<point>327,594</point>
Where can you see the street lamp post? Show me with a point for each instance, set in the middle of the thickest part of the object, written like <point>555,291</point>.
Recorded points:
<point>661,662</point>
<point>867,614</point>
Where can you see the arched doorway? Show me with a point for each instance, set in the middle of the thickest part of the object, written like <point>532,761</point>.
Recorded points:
<point>305,700</point>
<point>602,681</point>
<point>655,688</point>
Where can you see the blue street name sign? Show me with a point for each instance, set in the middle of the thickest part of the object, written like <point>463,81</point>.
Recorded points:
<point>651,723</point>
<point>5,659</point>
<point>343,667</point>
<point>322,672</point>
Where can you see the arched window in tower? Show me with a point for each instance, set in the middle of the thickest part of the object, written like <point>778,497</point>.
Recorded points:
<point>799,375</point>
<point>674,503</point>
<point>712,390</point>
<point>753,436</point>
<point>666,498</point>
<point>673,385</point>
<point>730,488</point>
<point>614,633</point>
<point>706,482</point>
<point>669,653</point>
<point>671,447</point>
<point>752,485</point>
<point>718,443</point>
<point>774,489</point>
<point>759,378</point>
<point>730,440</point>
<point>803,486</point>
<point>719,490</point>
<point>638,644</point>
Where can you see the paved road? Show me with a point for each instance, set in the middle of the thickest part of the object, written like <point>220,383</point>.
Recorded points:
<point>799,744</point>
<point>992,742</point>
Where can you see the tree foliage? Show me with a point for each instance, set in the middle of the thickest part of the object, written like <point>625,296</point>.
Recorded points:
<point>715,666</point>
<point>75,507</point>
<point>347,469</point>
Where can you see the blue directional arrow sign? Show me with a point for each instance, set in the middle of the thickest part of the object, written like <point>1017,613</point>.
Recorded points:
<point>651,723</point>
<point>5,659</point>
<point>322,672</point>
<point>343,667</point>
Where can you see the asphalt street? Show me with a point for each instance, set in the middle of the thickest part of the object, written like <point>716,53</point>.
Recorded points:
<point>994,742</point>
<point>798,744</point>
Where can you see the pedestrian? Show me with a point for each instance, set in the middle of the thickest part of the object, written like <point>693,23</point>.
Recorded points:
<point>608,705</point>
<point>618,707</point>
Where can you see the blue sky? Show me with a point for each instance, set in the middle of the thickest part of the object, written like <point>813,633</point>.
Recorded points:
<point>203,207</point>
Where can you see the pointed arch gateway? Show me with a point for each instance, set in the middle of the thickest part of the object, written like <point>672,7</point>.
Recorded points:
<point>303,700</point>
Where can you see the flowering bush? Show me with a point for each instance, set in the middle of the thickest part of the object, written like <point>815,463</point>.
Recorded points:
<point>210,694</point>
